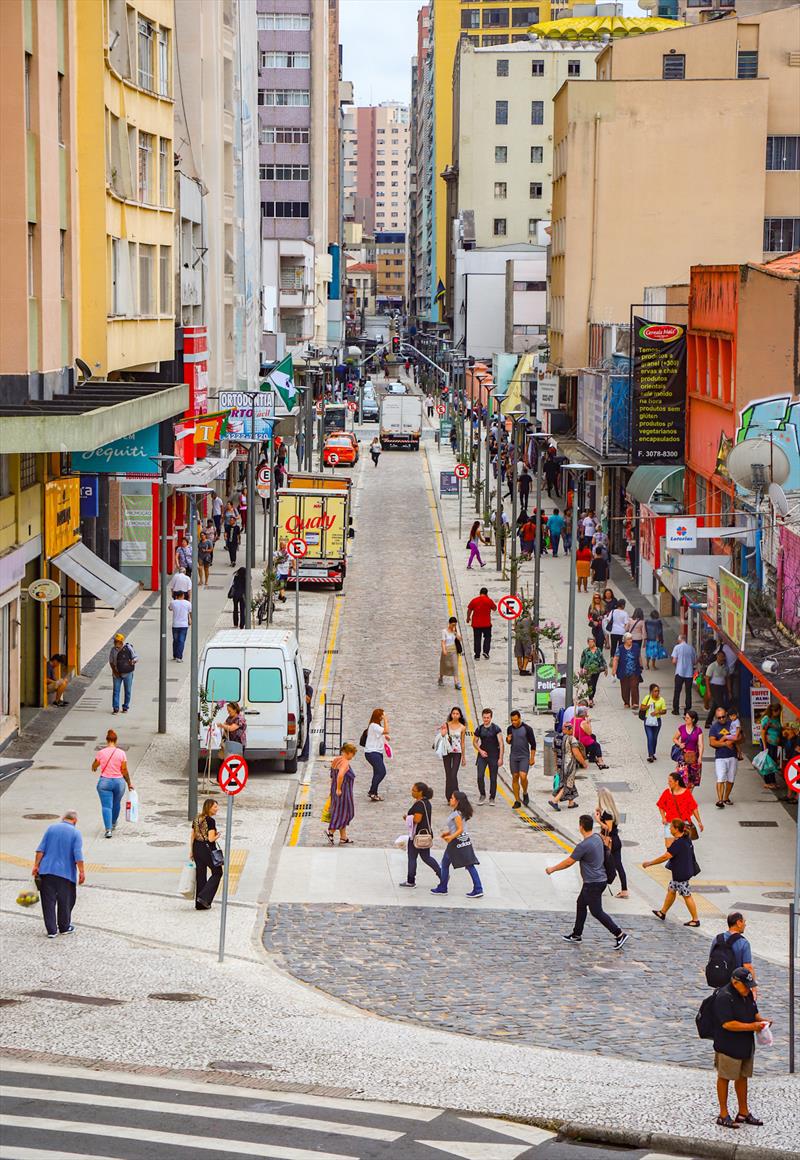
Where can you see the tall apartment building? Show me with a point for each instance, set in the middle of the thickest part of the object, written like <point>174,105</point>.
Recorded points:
<point>420,213</point>
<point>300,203</point>
<point>376,153</point>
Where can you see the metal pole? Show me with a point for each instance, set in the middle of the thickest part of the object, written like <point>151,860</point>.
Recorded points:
<point>308,447</point>
<point>194,747</point>
<point>297,599</point>
<point>509,706</point>
<point>478,461</point>
<point>487,464</point>
<point>792,969</point>
<point>223,917</point>
<point>471,448</point>
<point>264,505</point>
<point>499,515</point>
<point>572,596</point>
<point>271,523</point>
<point>163,567</point>
<point>249,558</point>
<point>513,487</point>
<point>460,499</point>
<point>537,564</point>
<point>321,433</point>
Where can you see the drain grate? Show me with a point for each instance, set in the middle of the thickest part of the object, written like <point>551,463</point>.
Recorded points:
<point>179,997</point>
<point>618,786</point>
<point>69,744</point>
<point>698,889</point>
<point>301,811</point>
<point>238,1065</point>
<point>762,825</point>
<point>75,737</point>
<point>785,895</point>
<point>65,997</point>
<point>761,907</point>
<point>167,845</point>
<point>41,817</point>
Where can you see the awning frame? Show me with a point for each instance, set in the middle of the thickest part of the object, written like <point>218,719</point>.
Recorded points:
<point>94,575</point>
<point>650,481</point>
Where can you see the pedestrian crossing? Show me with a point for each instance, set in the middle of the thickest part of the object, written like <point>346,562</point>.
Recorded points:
<point>52,1112</point>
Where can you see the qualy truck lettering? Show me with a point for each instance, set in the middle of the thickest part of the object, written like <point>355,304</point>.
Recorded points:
<point>296,524</point>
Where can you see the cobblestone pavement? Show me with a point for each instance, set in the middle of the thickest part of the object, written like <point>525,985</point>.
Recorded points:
<point>386,654</point>
<point>509,977</point>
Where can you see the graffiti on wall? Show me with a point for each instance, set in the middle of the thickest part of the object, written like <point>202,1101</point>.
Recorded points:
<point>779,419</point>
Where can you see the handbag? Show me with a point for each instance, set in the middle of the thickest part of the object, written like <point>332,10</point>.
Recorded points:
<point>676,754</point>
<point>423,838</point>
<point>387,749</point>
<point>362,741</point>
<point>325,816</point>
<point>459,646</point>
<point>643,709</point>
<point>442,744</point>
<point>217,858</point>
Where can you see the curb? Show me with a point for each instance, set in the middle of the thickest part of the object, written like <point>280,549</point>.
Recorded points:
<point>679,1145</point>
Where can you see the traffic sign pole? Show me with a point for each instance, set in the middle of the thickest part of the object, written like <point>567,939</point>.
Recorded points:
<point>509,607</point>
<point>297,548</point>
<point>462,471</point>
<point>232,778</point>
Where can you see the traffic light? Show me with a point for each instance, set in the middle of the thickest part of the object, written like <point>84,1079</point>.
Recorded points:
<point>396,343</point>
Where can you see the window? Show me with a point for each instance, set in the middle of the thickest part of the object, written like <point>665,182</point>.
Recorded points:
<point>573,68</point>
<point>146,299</point>
<point>285,60</point>
<point>501,112</point>
<point>783,153</point>
<point>536,189</point>
<point>145,71</point>
<point>471,18</point>
<point>537,68</point>
<point>165,280</point>
<point>60,109</point>
<point>223,684</point>
<point>502,68</point>
<point>495,18</point>
<point>500,189</point>
<point>747,65</point>
<point>531,286</point>
<point>285,209</point>
<point>537,112</point>
<point>501,154</point>
<point>499,227</point>
<point>265,686</point>
<point>291,97</point>
<point>163,62</point>
<point>163,171</point>
<point>283,172</point>
<point>673,66</point>
<point>31,260</point>
<point>781,235</point>
<point>28,64</point>
<point>116,277</point>
<point>62,262</point>
<point>272,135</point>
<point>522,17</point>
<point>145,166</point>
<point>533,226</point>
<point>490,40</point>
<point>283,22</point>
<point>537,154</point>
<point>27,471</point>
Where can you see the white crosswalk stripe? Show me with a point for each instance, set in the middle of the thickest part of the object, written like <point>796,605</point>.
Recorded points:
<point>528,1132</point>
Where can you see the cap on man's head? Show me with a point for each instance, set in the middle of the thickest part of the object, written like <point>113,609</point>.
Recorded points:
<point>119,636</point>
<point>742,975</point>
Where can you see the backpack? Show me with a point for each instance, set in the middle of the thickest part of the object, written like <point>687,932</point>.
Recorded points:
<point>706,1019</point>
<point>125,662</point>
<point>721,962</point>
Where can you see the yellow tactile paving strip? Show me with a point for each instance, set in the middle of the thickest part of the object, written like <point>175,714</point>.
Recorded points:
<point>235,867</point>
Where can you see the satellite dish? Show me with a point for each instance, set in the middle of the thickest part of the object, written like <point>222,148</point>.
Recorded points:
<point>753,464</point>
<point>778,499</point>
<point>647,5</point>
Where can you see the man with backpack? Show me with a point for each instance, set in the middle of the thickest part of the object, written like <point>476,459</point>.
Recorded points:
<point>591,853</point>
<point>122,659</point>
<point>728,952</point>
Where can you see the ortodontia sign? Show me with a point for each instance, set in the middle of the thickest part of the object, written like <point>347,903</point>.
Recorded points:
<point>659,392</point>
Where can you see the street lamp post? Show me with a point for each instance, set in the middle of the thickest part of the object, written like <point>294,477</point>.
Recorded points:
<point>487,456</point>
<point>163,568</point>
<point>575,468</point>
<point>537,564</point>
<point>250,553</point>
<point>478,455</point>
<point>194,747</point>
<point>514,416</point>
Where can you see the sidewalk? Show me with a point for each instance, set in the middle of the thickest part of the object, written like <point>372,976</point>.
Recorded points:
<point>742,867</point>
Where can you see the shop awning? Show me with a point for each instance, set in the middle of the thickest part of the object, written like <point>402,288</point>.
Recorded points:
<point>646,481</point>
<point>513,397</point>
<point>97,577</point>
<point>203,472</point>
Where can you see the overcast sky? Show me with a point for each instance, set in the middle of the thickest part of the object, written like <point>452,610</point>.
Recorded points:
<point>379,38</point>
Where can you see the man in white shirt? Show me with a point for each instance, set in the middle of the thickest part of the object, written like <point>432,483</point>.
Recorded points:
<point>616,620</point>
<point>180,583</point>
<point>217,508</point>
<point>181,622</point>
<point>589,527</point>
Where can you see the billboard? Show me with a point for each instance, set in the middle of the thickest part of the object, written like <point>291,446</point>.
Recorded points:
<point>658,428</point>
<point>732,597</point>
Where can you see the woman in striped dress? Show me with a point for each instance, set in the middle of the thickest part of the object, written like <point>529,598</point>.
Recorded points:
<point>343,809</point>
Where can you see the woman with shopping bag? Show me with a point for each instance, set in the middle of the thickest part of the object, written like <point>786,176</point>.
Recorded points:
<point>206,855</point>
<point>113,765</point>
<point>459,852</point>
<point>342,807</point>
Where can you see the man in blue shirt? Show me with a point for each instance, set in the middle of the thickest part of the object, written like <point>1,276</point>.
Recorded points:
<point>684,658</point>
<point>57,869</point>
<point>555,526</point>
<point>590,854</point>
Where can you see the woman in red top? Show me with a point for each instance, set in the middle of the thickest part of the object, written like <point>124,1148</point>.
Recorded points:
<point>583,561</point>
<point>677,802</point>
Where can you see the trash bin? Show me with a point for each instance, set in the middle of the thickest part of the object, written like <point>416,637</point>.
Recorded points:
<point>550,764</point>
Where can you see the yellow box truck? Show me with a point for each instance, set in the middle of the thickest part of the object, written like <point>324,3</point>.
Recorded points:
<point>320,517</point>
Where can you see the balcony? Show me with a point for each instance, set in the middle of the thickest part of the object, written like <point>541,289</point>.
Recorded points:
<point>603,410</point>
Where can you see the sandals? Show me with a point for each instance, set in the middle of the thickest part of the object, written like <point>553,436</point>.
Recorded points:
<point>601,765</point>
<point>726,1122</point>
<point>749,1119</point>
<point>346,842</point>
<point>329,836</point>
<point>694,922</point>
<point>374,797</point>
<point>660,914</point>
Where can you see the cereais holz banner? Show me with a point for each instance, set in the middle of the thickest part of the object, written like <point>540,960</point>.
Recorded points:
<point>659,392</point>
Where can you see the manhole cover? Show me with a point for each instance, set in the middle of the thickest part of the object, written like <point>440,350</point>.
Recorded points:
<point>164,845</point>
<point>177,996</point>
<point>41,817</point>
<point>763,825</point>
<point>785,895</point>
<point>238,1065</point>
<point>170,813</point>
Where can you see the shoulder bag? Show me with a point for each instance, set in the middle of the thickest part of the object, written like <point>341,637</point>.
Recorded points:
<point>459,646</point>
<point>423,835</point>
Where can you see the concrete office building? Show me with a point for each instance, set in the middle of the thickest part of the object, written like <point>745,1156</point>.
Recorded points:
<point>376,154</point>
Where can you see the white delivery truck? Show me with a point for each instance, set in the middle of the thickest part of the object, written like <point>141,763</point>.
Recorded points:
<point>401,421</point>
<point>262,671</point>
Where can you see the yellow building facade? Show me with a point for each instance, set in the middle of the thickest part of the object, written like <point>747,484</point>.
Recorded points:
<point>125,183</point>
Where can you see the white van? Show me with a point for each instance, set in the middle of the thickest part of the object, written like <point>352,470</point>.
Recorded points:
<point>261,669</point>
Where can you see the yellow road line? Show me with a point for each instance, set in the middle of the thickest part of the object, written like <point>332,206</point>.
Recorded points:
<point>235,867</point>
<point>451,611</point>
<point>305,788</point>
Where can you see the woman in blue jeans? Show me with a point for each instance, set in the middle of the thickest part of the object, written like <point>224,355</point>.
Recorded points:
<point>375,751</point>
<point>459,851</point>
<point>112,762</point>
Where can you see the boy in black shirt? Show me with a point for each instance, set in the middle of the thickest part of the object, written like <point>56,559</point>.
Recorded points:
<point>488,742</point>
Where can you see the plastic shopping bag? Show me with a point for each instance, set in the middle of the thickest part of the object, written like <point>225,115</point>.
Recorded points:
<point>764,1037</point>
<point>132,806</point>
<point>765,763</point>
<point>186,882</point>
<point>325,817</point>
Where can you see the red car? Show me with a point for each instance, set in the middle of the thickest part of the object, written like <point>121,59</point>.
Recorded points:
<point>343,445</point>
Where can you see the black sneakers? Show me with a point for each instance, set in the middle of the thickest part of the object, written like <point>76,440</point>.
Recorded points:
<point>572,938</point>
<point>620,941</point>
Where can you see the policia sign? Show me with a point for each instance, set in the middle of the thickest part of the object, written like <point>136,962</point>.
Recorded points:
<point>659,392</point>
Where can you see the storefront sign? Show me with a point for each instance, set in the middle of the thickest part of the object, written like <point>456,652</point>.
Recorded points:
<point>681,532</point>
<point>133,454</point>
<point>659,392</point>
<point>136,544</point>
<point>760,701</point>
<point>90,497</point>
<point>712,598</point>
<point>448,483</point>
<point>546,678</point>
<point>44,590</point>
<point>241,424</point>
<point>733,606</point>
<point>62,514</point>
